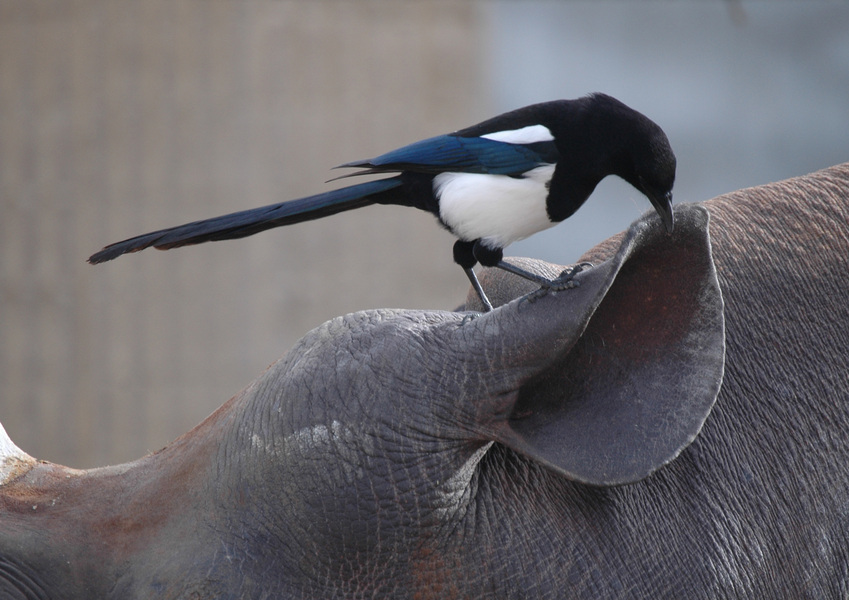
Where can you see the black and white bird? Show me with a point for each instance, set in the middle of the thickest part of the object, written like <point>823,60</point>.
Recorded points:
<point>490,184</point>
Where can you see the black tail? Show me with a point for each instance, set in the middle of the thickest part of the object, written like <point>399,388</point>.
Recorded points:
<point>248,222</point>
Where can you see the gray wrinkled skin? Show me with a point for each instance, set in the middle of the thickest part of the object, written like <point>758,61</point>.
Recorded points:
<point>675,427</point>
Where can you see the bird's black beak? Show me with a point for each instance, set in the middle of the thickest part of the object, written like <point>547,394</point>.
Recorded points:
<point>663,205</point>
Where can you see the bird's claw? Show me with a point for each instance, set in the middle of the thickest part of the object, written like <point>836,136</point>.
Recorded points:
<point>469,317</point>
<point>532,297</point>
<point>560,284</point>
<point>566,279</point>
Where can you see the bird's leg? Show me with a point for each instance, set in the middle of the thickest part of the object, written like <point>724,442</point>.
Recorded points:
<point>564,281</point>
<point>478,288</point>
<point>465,257</point>
<point>537,279</point>
<point>568,275</point>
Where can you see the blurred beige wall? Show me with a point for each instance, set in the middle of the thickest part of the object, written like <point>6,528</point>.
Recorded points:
<point>119,117</point>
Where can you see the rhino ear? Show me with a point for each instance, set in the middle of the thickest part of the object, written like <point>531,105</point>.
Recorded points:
<point>638,383</point>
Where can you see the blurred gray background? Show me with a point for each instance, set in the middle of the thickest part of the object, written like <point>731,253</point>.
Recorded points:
<point>119,117</point>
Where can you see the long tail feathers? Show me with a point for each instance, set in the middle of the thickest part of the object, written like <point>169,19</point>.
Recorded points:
<point>248,222</point>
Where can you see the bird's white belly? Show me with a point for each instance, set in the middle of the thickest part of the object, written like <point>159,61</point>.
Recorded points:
<point>495,208</point>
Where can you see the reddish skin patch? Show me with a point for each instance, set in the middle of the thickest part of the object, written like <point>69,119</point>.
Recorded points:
<point>433,580</point>
<point>104,516</point>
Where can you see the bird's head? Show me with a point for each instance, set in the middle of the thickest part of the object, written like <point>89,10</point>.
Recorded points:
<point>636,149</point>
<point>654,175</point>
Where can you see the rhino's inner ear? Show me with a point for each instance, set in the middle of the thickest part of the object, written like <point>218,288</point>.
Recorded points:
<point>638,383</point>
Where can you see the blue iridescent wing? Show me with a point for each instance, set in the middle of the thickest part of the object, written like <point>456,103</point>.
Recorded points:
<point>461,154</point>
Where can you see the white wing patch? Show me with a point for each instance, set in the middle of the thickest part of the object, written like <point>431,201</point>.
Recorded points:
<point>497,209</point>
<point>526,135</point>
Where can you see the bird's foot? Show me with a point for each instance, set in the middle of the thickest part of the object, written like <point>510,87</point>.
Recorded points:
<point>469,317</point>
<point>566,279</point>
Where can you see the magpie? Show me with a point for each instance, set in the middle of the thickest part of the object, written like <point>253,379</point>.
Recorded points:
<point>490,184</point>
